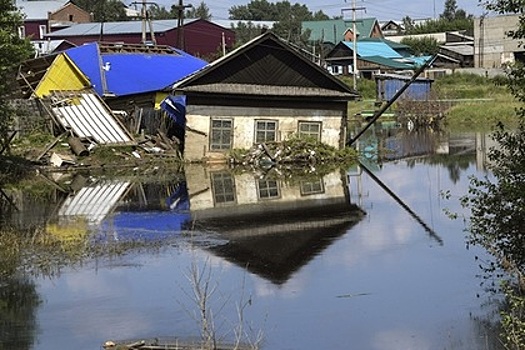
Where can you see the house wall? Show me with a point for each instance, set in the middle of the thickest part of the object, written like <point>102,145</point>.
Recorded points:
<point>32,29</point>
<point>203,39</point>
<point>71,13</point>
<point>198,119</point>
<point>492,47</point>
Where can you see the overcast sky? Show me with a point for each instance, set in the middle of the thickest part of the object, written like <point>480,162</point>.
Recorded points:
<point>381,9</point>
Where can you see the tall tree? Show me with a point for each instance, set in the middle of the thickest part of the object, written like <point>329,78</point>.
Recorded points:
<point>449,12</point>
<point>13,50</point>
<point>288,17</point>
<point>202,11</point>
<point>104,10</point>
<point>160,12</point>
<point>422,46</point>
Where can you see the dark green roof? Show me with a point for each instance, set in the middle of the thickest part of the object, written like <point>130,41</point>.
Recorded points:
<point>334,30</point>
<point>325,31</point>
<point>363,26</point>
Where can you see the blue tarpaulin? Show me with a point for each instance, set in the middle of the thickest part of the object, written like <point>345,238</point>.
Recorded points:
<point>128,73</point>
<point>175,106</point>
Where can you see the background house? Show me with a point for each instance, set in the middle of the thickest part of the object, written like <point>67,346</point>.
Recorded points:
<point>198,37</point>
<point>43,17</point>
<point>263,91</point>
<point>372,57</point>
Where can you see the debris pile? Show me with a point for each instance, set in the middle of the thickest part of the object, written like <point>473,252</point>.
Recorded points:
<point>291,151</point>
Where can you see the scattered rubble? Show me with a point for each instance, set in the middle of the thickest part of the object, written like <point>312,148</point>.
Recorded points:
<point>293,150</point>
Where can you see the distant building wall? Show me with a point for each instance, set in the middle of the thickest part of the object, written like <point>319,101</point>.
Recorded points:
<point>492,47</point>
<point>71,13</point>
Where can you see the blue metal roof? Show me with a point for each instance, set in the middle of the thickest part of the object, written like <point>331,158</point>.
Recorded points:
<point>367,49</point>
<point>129,73</point>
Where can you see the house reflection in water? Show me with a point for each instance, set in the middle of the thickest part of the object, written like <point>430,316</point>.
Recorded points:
<point>272,227</point>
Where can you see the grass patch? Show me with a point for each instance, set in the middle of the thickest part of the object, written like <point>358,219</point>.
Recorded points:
<point>491,100</point>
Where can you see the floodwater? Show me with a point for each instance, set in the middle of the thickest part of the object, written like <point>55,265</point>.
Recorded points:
<point>359,258</point>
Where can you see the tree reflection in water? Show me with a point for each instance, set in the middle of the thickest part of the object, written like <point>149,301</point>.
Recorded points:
<point>497,223</point>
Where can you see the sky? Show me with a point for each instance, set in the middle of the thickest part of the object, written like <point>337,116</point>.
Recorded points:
<point>381,9</point>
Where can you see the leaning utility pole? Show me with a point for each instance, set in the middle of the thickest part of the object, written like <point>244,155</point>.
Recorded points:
<point>180,23</point>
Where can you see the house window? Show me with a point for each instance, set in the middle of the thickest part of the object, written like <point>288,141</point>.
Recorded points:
<point>221,134</point>
<point>223,187</point>
<point>311,187</point>
<point>310,130</point>
<point>42,30</point>
<point>70,18</point>
<point>265,131</point>
<point>268,189</point>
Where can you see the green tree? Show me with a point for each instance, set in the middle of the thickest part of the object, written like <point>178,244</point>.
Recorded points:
<point>104,10</point>
<point>421,46</point>
<point>246,31</point>
<point>160,12</point>
<point>202,11</point>
<point>449,12</point>
<point>288,17</point>
<point>408,23</point>
<point>13,50</point>
<point>497,220</point>
<point>255,10</point>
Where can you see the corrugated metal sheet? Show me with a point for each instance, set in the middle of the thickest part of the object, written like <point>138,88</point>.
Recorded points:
<point>87,116</point>
<point>94,203</point>
<point>111,28</point>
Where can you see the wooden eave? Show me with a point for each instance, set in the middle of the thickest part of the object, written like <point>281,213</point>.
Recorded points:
<point>267,90</point>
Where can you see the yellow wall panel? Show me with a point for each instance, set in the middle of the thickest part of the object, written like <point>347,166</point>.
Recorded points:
<point>62,75</point>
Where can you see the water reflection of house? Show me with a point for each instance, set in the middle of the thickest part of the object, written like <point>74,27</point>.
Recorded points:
<point>273,227</point>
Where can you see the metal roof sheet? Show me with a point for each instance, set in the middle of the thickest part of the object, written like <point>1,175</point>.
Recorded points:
<point>85,114</point>
<point>126,73</point>
<point>34,10</point>
<point>110,28</point>
<point>368,49</point>
<point>326,31</point>
<point>387,62</point>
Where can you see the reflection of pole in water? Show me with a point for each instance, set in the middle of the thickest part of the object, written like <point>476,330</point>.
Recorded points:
<point>8,199</point>
<point>406,207</point>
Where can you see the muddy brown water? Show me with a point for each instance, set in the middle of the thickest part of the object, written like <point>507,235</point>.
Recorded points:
<point>339,261</point>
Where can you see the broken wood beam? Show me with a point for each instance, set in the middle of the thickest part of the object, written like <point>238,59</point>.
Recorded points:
<point>51,145</point>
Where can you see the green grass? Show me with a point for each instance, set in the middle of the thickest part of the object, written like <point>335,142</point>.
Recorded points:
<point>491,101</point>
